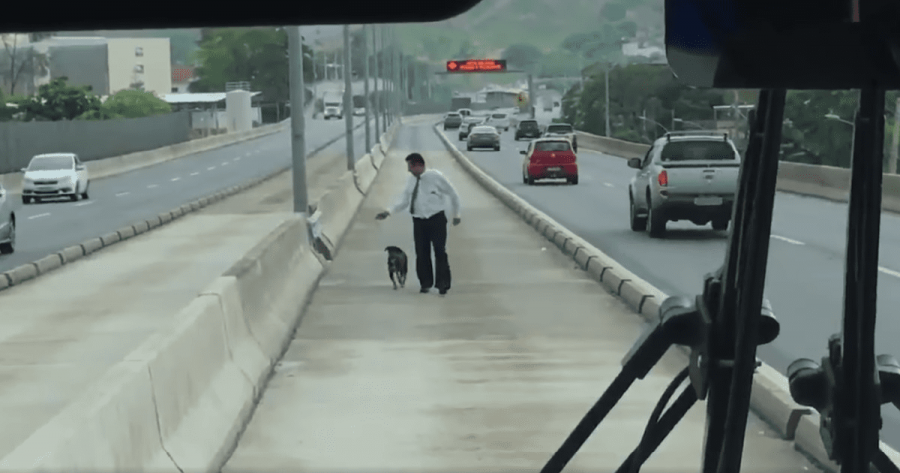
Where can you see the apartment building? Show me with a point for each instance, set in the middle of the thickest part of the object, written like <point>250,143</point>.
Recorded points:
<point>108,65</point>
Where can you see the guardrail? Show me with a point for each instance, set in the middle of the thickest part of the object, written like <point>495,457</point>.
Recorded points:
<point>825,182</point>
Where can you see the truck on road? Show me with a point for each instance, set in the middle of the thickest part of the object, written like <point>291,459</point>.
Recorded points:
<point>684,176</point>
<point>457,103</point>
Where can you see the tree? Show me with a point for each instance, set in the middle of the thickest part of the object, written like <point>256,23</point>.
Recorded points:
<point>257,55</point>
<point>613,12</point>
<point>20,60</point>
<point>523,56</point>
<point>59,101</point>
<point>135,104</point>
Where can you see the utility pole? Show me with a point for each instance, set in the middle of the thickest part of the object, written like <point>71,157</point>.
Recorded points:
<point>607,98</point>
<point>298,140</point>
<point>366,102</point>
<point>377,78</point>
<point>892,165</point>
<point>348,100</point>
<point>397,97</point>
<point>532,98</point>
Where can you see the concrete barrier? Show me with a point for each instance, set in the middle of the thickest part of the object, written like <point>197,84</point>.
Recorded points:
<point>179,401</point>
<point>200,392</point>
<point>365,173</point>
<point>262,274</point>
<point>770,398</point>
<point>110,427</point>
<point>337,208</point>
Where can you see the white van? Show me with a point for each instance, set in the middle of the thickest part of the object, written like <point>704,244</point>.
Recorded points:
<point>499,120</point>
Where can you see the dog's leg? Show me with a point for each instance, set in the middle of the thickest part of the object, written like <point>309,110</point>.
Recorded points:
<point>391,274</point>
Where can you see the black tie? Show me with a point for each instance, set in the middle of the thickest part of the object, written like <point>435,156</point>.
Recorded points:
<point>412,204</point>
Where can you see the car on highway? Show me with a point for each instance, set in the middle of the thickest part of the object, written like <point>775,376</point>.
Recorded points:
<point>549,158</point>
<point>359,111</point>
<point>467,124</point>
<point>528,129</point>
<point>499,120</point>
<point>55,175</point>
<point>7,223</point>
<point>333,109</point>
<point>684,176</point>
<point>465,112</point>
<point>452,120</point>
<point>562,130</point>
<point>483,136</point>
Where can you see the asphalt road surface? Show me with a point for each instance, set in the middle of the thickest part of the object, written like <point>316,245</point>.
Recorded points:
<point>806,254</point>
<point>121,200</point>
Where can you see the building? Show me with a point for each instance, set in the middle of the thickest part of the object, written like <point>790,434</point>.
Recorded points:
<point>108,65</point>
<point>182,76</point>
<point>140,62</point>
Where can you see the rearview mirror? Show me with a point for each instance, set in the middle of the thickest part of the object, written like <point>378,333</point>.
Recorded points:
<point>634,163</point>
<point>79,168</point>
<point>22,170</point>
<point>521,151</point>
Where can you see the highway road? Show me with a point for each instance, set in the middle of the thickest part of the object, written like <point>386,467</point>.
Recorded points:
<point>806,255</point>
<point>121,200</point>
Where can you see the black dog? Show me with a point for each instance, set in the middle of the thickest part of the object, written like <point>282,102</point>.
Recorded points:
<point>396,265</point>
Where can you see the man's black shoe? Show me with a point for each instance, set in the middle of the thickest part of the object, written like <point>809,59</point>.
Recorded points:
<point>424,290</point>
<point>443,291</point>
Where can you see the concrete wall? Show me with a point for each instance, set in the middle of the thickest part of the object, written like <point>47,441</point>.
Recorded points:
<point>89,139</point>
<point>156,60</point>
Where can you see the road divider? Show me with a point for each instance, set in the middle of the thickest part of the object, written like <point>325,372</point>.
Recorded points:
<point>29,271</point>
<point>180,401</point>
<point>770,398</point>
<point>826,182</point>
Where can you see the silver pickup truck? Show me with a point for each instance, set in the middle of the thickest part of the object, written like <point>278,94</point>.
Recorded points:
<point>684,176</point>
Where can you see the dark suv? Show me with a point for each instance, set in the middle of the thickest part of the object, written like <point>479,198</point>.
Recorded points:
<point>452,120</point>
<point>528,129</point>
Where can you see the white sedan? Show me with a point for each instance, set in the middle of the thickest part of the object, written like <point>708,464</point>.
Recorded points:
<point>7,223</point>
<point>55,175</point>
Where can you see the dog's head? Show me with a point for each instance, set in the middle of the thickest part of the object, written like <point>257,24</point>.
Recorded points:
<point>393,250</point>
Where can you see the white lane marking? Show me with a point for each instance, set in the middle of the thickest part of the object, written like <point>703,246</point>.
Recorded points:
<point>39,216</point>
<point>82,204</point>
<point>237,158</point>
<point>175,179</point>
<point>151,186</point>
<point>225,163</point>
<point>120,194</point>
<point>248,154</point>
<point>195,174</point>
<point>788,240</point>
<point>210,168</point>
<point>608,184</point>
<point>889,272</point>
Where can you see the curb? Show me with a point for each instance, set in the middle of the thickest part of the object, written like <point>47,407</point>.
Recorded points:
<point>29,271</point>
<point>770,397</point>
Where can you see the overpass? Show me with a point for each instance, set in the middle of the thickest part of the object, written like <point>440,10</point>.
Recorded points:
<point>154,343</point>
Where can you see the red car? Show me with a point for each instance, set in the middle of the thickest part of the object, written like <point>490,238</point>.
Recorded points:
<point>549,158</point>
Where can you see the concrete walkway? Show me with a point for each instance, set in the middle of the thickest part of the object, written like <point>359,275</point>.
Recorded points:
<point>491,377</point>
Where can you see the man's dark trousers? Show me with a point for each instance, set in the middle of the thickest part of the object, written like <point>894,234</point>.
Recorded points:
<point>427,232</point>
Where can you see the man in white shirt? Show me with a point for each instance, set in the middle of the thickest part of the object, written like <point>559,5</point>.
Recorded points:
<point>424,196</point>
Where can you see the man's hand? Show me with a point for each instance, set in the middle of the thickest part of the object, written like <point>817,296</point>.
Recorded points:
<point>456,221</point>
<point>382,215</point>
